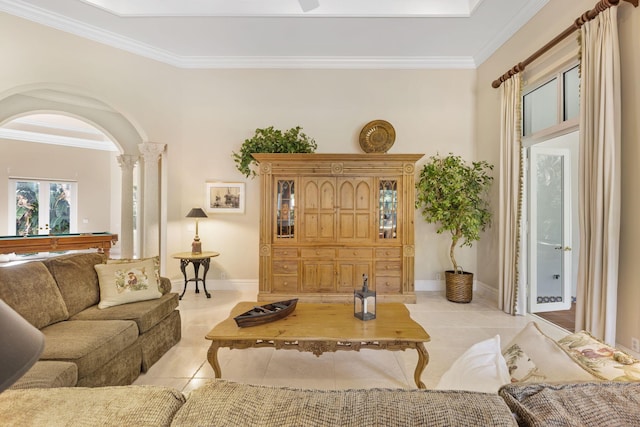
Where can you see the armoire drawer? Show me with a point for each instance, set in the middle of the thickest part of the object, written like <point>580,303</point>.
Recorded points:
<point>285,267</point>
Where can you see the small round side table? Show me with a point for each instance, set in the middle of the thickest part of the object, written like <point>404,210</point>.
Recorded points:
<point>202,258</point>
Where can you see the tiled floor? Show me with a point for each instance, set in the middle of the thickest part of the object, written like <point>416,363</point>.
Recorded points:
<point>453,329</point>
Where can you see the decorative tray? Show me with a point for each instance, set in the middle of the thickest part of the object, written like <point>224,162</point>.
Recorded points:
<point>377,136</point>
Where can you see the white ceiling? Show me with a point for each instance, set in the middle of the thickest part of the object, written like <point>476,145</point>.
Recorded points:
<point>291,33</point>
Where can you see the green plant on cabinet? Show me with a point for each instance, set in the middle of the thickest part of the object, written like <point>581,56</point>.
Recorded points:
<point>270,140</point>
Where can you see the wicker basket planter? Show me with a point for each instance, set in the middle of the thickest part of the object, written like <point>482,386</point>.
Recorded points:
<point>459,286</point>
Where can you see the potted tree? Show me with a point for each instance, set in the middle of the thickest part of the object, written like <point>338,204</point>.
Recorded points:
<point>270,140</point>
<point>452,194</point>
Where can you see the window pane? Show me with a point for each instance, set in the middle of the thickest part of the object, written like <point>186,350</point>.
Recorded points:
<point>59,208</point>
<point>540,108</point>
<point>571,95</point>
<point>27,207</point>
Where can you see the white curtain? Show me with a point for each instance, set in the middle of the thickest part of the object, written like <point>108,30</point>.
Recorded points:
<point>510,300</point>
<point>599,205</point>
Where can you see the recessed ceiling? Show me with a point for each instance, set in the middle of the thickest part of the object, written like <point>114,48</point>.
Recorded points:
<point>291,33</point>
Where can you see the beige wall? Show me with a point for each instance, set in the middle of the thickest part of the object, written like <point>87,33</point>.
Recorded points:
<point>90,169</point>
<point>550,21</point>
<point>205,115</point>
<point>629,286</point>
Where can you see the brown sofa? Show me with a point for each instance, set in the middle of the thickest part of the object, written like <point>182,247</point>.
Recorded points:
<point>222,403</point>
<point>86,346</point>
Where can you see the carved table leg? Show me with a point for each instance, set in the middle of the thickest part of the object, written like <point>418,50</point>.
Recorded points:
<point>212,357</point>
<point>196,268</point>
<point>183,268</point>
<point>205,263</point>
<point>423,359</point>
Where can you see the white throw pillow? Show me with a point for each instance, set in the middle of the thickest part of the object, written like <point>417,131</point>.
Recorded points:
<point>127,282</point>
<point>481,368</point>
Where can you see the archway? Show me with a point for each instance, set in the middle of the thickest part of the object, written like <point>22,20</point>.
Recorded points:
<point>128,138</point>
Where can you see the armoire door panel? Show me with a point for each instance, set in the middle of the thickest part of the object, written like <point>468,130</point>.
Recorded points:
<point>318,276</point>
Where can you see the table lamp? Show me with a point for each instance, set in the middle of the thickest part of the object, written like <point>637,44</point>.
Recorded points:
<point>20,346</point>
<point>196,246</point>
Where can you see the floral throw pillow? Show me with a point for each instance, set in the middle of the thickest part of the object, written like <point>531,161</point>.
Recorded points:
<point>127,282</point>
<point>600,359</point>
<point>521,367</point>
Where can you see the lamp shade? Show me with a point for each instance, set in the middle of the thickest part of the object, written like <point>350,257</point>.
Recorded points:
<point>20,346</point>
<point>196,213</point>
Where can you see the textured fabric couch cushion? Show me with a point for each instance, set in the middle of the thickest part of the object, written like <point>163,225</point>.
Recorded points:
<point>146,314</point>
<point>88,343</point>
<point>223,403</point>
<point>159,339</point>
<point>31,291</point>
<point>77,279</point>
<point>123,370</point>
<point>575,404</point>
<point>49,374</point>
<point>138,406</point>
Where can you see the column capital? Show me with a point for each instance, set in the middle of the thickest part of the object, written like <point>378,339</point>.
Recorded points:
<point>151,151</point>
<point>127,161</point>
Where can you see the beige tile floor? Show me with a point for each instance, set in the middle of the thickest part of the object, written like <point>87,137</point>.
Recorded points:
<point>453,329</point>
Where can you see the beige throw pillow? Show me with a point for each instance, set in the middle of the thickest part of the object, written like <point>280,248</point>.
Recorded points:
<point>550,359</point>
<point>123,283</point>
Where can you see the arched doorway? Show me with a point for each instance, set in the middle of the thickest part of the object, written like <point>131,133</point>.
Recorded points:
<point>120,131</point>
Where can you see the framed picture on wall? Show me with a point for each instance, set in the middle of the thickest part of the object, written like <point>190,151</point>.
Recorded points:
<point>225,197</point>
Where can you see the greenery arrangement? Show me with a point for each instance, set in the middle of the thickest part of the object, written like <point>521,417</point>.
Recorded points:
<point>270,140</point>
<point>452,193</point>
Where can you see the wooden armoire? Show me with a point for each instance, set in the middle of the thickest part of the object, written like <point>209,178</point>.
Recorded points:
<point>328,219</point>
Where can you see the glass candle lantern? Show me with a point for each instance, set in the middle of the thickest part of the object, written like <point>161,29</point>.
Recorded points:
<point>364,301</point>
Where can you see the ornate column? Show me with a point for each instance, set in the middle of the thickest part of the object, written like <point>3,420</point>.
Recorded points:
<point>127,162</point>
<point>150,213</point>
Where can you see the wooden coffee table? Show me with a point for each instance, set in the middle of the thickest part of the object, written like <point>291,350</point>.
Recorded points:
<point>319,328</point>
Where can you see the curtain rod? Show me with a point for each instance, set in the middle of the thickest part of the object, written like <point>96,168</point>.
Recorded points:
<point>601,6</point>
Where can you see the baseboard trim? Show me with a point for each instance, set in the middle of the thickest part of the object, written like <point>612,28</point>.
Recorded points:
<point>252,286</point>
<point>177,285</point>
<point>439,285</point>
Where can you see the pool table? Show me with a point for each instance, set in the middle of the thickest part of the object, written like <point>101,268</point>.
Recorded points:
<point>58,242</point>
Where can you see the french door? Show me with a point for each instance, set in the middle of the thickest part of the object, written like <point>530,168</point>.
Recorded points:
<point>43,207</point>
<point>550,252</point>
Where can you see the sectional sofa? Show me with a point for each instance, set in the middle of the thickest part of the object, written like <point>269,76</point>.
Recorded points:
<point>222,403</point>
<point>85,345</point>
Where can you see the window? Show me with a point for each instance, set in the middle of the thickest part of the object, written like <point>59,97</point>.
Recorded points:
<point>555,101</point>
<point>43,207</point>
